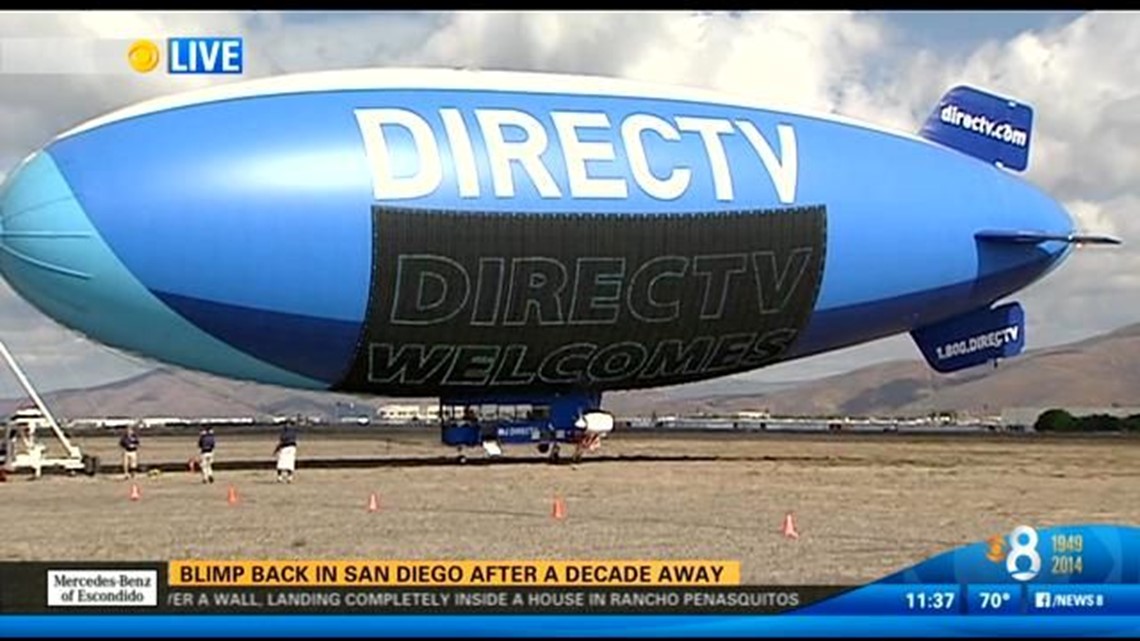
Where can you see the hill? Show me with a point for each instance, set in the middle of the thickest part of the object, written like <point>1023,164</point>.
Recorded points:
<point>1099,371</point>
<point>169,391</point>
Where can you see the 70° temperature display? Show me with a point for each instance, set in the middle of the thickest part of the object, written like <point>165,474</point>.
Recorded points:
<point>993,599</point>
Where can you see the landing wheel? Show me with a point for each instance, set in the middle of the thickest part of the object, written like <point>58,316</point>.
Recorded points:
<point>90,465</point>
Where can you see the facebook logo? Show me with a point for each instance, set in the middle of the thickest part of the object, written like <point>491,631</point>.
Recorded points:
<point>1042,600</point>
<point>205,55</point>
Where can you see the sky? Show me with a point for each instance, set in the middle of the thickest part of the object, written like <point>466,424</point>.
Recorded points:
<point>1079,70</point>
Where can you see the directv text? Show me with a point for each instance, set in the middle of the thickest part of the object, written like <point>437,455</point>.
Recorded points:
<point>432,289</point>
<point>1003,131</point>
<point>586,148</point>
<point>990,340</point>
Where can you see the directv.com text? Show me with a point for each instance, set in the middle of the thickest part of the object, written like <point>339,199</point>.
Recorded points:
<point>1002,131</point>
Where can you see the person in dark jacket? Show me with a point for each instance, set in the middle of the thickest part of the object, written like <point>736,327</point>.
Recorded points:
<point>206,444</point>
<point>286,453</point>
<point>129,443</point>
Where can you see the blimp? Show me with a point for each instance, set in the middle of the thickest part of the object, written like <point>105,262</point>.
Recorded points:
<point>514,238</point>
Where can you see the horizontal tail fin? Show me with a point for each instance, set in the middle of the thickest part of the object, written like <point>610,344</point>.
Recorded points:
<point>1021,237</point>
<point>973,338</point>
<point>982,125</point>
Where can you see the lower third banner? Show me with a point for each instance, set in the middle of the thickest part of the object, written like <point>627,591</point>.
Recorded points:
<point>92,588</point>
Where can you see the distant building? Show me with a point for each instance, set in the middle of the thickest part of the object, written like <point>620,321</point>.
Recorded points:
<point>407,413</point>
<point>100,423</point>
<point>1027,416</point>
<point>752,415</point>
<point>236,420</point>
<point>165,421</point>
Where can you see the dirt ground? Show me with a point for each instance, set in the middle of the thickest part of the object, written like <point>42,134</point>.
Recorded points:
<point>865,506</point>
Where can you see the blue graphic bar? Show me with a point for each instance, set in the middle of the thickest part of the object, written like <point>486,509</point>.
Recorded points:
<point>1084,599</point>
<point>897,599</point>
<point>578,626</point>
<point>994,598</point>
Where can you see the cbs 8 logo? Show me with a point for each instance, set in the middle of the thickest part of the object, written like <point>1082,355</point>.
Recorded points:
<point>1023,547</point>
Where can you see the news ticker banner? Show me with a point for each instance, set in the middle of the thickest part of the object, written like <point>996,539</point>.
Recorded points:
<point>396,587</point>
<point>1089,570</point>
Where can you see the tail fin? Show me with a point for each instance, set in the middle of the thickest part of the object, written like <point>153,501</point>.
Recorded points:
<point>973,338</point>
<point>982,125</point>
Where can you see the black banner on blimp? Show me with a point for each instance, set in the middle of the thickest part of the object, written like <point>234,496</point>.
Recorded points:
<point>526,301</point>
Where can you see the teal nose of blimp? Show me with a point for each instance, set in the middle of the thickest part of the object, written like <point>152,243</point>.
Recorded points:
<point>55,258</point>
<point>48,249</point>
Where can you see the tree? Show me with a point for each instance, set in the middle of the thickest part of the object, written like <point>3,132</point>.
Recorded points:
<point>1055,420</point>
<point>1099,423</point>
<point>1132,423</point>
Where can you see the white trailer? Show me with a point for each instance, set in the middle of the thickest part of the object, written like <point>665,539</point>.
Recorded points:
<point>24,435</point>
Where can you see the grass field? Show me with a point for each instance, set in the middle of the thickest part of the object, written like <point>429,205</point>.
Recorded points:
<point>865,506</point>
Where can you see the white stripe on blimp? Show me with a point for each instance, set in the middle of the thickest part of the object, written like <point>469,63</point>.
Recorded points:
<point>456,80</point>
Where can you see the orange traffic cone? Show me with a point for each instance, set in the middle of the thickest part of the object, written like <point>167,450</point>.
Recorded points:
<point>231,496</point>
<point>789,528</point>
<point>373,503</point>
<point>559,511</point>
<point>136,494</point>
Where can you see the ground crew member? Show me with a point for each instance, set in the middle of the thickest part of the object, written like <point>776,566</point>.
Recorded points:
<point>130,446</point>
<point>286,452</point>
<point>206,443</point>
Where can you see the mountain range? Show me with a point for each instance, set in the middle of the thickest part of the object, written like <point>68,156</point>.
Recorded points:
<point>1100,371</point>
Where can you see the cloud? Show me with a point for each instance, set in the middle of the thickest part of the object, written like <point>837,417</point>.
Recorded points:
<point>36,107</point>
<point>1080,78</point>
<point>284,44</point>
<point>52,356</point>
<point>802,58</point>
